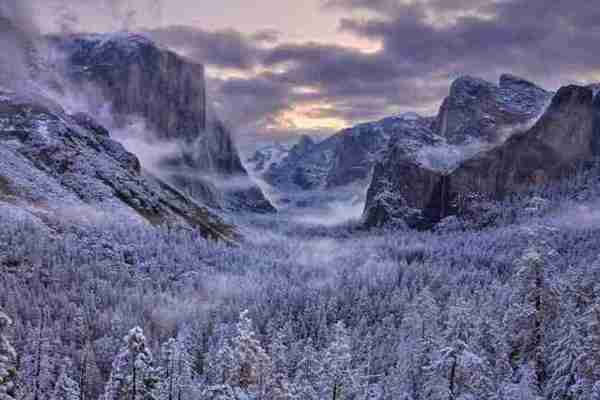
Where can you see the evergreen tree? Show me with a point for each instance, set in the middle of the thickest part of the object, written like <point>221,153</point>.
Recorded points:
<point>590,358</point>
<point>242,364</point>
<point>308,374</point>
<point>530,316</point>
<point>337,378</point>
<point>176,381</point>
<point>8,362</point>
<point>132,376</point>
<point>564,382</point>
<point>38,365</point>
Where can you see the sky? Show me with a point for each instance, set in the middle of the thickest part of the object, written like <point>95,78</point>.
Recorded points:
<point>279,68</point>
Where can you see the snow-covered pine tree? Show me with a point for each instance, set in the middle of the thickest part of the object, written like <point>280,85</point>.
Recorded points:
<point>8,362</point>
<point>564,379</point>
<point>66,387</point>
<point>401,381</point>
<point>337,378</point>
<point>308,374</point>
<point>176,381</point>
<point>253,361</point>
<point>278,386</point>
<point>38,365</point>
<point>241,365</point>
<point>590,359</point>
<point>529,315</point>
<point>132,376</point>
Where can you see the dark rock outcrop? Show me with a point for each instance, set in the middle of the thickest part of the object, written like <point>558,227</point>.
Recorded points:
<point>139,79</point>
<point>394,193</point>
<point>57,166</point>
<point>563,137</point>
<point>547,149</point>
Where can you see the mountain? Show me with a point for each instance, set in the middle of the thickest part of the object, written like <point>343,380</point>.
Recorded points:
<point>513,141</point>
<point>56,168</point>
<point>304,167</point>
<point>345,158</point>
<point>139,79</point>
<point>266,155</point>
<point>479,109</point>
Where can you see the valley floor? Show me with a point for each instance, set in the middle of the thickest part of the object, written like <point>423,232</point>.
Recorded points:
<point>333,311</point>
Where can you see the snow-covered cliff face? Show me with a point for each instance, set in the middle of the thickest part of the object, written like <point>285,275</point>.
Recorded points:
<point>495,140</point>
<point>139,79</point>
<point>479,109</point>
<point>63,170</point>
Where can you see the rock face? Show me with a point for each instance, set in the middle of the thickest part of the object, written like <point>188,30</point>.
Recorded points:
<point>390,197</point>
<point>561,138</point>
<point>139,79</point>
<point>479,109</point>
<point>56,166</point>
<point>545,149</point>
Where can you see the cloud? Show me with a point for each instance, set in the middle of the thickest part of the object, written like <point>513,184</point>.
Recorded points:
<point>263,84</point>
<point>424,45</point>
<point>223,48</point>
<point>17,32</point>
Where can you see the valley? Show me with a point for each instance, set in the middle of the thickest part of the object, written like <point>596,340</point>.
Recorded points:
<point>453,256</point>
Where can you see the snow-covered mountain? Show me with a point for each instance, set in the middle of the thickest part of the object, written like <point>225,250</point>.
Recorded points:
<point>59,170</point>
<point>497,140</point>
<point>137,79</point>
<point>267,155</point>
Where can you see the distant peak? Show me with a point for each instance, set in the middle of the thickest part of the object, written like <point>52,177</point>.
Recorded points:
<point>468,84</point>
<point>409,116</point>
<point>128,41</point>
<point>511,81</point>
<point>306,141</point>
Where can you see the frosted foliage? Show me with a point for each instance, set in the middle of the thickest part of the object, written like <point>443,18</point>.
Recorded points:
<point>132,370</point>
<point>66,387</point>
<point>308,312</point>
<point>8,360</point>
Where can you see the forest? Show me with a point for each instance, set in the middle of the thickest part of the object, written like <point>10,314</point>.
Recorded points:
<point>109,310</point>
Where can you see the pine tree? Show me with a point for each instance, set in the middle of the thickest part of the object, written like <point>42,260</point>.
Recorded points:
<point>241,364</point>
<point>8,362</point>
<point>66,387</point>
<point>176,381</point>
<point>132,376</point>
<point>278,383</point>
<point>530,314</point>
<point>401,380</point>
<point>590,359</point>
<point>254,363</point>
<point>337,380</point>
<point>564,381</point>
<point>38,365</point>
<point>308,374</point>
